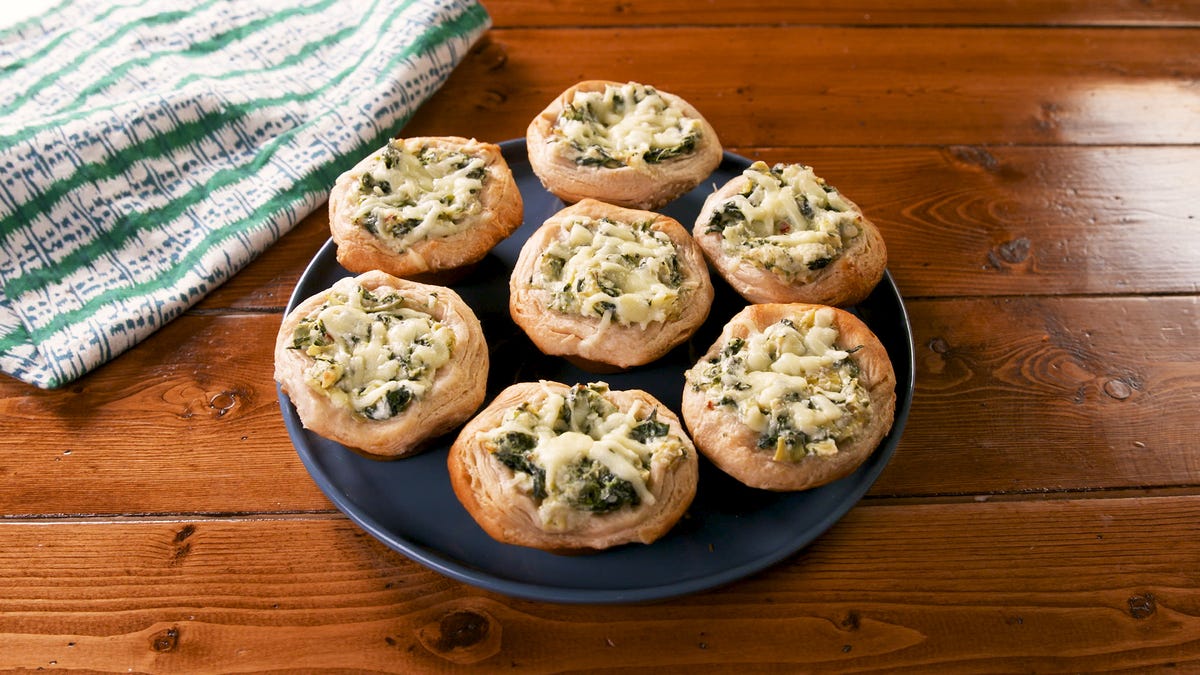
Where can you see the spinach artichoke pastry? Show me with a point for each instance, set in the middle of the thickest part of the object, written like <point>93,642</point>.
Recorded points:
<point>782,234</point>
<point>570,469</point>
<point>627,144</point>
<point>381,364</point>
<point>790,396</point>
<point>609,288</point>
<point>423,205</point>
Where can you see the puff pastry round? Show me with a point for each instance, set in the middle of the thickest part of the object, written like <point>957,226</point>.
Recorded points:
<point>423,205</point>
<point>790,396</point>
<point>576,468</point>
<point>382,364</point>
<point>627,144</point>
<point>608,287</point>
<point>782,234</point>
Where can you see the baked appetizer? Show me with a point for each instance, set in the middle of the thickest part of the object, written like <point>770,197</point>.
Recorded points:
<point>381,364</point>
<point>626,144</point>
<point>791,396</point>
<point>782,234</point>
<point>423,205</point>
<point>609,288</point>
<point>574,468</point>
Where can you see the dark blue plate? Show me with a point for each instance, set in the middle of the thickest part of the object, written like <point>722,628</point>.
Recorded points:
<point>731,531</point>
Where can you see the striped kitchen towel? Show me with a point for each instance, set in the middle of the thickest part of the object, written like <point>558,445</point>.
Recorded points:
<point>149,149</point>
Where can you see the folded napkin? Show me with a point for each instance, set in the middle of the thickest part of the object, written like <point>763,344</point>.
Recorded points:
<point>149,149</point>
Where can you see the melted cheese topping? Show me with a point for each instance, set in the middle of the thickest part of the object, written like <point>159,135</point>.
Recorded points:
<point>370,354</point>
<point>616,271</point>
<point>576,444</point>
<point>790,384</point>
<point>787,220</point>
<point>625,125</point>
<point>409,193</point>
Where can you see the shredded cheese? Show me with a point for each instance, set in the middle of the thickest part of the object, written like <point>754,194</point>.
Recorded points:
<point>787,220</point>
<point>622,272</point>
<point>407,193</point>
<point>790,384</point>
<point>579,455</point>
<point>625,125</point>
<point>370,353</point>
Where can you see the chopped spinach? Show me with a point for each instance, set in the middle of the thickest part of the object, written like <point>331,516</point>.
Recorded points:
<point>405,226</point>
<point>649,428</point>
<point>512,450</point>
<point>673,273</point>
<point>592,487</point>
<point>727,216</point>
<point>657,155</point>
<point>570,112</point>
<point>394,403</point>
<point>806,208</point>
<point>367,184</point>
<point>391,157</point>
<point>598,157</point>
<point>581,403</point>
<point>398,400</point>
<point>370,222</point>
<point>516,442</point>
<point>779,432</point>
<point>734,346</point>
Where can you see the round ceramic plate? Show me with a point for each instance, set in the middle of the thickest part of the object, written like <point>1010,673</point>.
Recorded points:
<point>729,532</point>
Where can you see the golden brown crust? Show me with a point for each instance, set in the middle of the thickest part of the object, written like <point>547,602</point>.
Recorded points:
<point>360,251</point>
<point>511,517</point>
<point>846,281</point>
<point>649,186</point>
<point>732,446</point>
<point>457,391</point>
<point>579,338</point>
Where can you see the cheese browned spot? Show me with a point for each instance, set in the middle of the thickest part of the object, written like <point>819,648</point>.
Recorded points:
<point>370,353</point>
<point>790,384</point>
<point>577,455</point>
<point>623,272</point>
<point>787,220</point>
<point>411,194</point>
<point>625,125</point>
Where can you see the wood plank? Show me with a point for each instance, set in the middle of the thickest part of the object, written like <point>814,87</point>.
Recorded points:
<point>1050,586</point>
<point>869,86</point>
<point>527,13</point>
<point>959,221</point>
<point>974,220</point>
<point>1013,395</point>
<point>187,422</point>
<point>1045,394</point>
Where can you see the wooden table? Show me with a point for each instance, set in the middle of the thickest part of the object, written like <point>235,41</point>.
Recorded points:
<point>1035,169</point>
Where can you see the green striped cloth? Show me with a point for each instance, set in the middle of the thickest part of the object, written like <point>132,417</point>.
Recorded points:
<point>149,149</point>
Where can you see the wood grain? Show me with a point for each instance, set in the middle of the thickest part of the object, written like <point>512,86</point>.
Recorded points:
<point>527,13</point>
<point>959,221</point>
<point>1062,586</point>
<point>1013,395</point>
<point>186,423</point>
<point>858,86</point>
<point>1046,394</point>
<point>1033,166</point>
